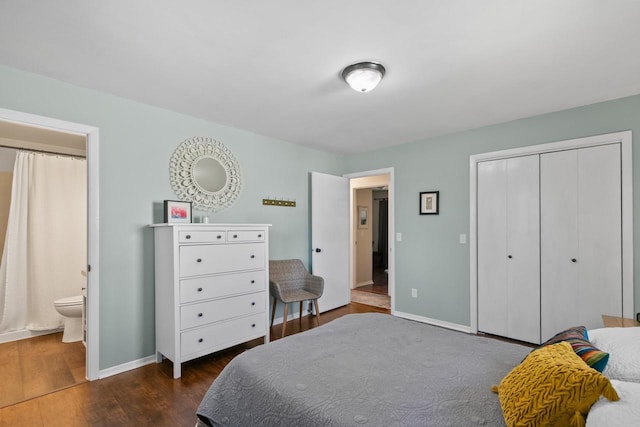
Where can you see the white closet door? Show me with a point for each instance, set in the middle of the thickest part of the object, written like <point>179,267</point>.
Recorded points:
<point>492,247</point>
<point>508,248</point>
<point>599,234</point>
<point>581,237</point>
<point>559,240</point>
<point>523,249</point>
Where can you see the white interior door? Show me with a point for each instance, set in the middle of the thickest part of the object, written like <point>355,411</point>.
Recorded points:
<point>523,248</point>
<point>492,247</point>
<point>600,231</point>
<point>582,237</point>
<point>330,237</point>
<point>508,248</point>
<point>559,241</point>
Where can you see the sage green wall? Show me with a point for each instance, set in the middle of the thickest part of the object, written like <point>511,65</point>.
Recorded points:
<point>136,142</point>
<point>429,256</point>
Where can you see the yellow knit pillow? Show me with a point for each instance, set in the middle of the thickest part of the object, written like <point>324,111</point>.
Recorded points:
<point>551,387</point>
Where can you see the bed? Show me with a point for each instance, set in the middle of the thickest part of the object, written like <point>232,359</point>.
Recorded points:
<point>364,369</point>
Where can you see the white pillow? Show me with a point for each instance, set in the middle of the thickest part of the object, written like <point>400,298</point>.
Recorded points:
<point>622,413</point>
<point>623,346</point>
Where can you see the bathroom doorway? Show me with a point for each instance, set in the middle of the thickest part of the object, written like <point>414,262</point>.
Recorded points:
<point>58,364</point>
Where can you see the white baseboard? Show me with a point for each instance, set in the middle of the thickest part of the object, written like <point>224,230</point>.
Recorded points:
<point>104,373</point>
<point>278,320</point>
<point>368,282</point>
<point>24,334</point>
<point>435,322</point>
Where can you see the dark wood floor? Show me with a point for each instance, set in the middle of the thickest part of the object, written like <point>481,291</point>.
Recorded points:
<point>39,365</point>
<point>380,282</point>
<point>148,395</point>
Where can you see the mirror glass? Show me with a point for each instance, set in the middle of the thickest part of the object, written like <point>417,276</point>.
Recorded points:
<point>209,174</point>
<point>205,172</point>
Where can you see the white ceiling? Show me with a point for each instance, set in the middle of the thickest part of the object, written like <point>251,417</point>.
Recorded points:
<point>272,67</point>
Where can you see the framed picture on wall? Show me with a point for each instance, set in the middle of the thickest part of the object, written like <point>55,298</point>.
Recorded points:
<point>176,211</point>
<point>363,217</point>
<point>429,202</point>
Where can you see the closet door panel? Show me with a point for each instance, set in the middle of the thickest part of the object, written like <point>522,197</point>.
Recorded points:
<point>523,249</point>
<point>492,247</point>
<point>559,241</point>
<point>600,259</point>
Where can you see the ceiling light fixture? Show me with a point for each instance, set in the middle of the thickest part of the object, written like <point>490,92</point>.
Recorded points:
<point>363,76</point>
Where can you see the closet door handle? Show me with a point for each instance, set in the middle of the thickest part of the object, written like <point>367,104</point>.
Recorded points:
<point>574,260</point>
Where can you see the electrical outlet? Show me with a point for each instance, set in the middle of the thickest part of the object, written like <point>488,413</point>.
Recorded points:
<point>414,293</point>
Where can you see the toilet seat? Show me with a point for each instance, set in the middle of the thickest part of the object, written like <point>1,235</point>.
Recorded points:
<point>63,302</point>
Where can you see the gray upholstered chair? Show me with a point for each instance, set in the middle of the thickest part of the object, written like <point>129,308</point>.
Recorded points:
<point>289,281</point>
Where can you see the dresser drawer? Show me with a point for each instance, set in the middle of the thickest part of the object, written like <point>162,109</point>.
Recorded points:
<point>221,286</point>
<point>209,236</point>
<point>198,260</point>
<point>221,335</point>
<point>213,311</point>
<point>245,236</point>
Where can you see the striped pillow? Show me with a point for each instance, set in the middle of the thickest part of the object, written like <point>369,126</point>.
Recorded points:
<point>579,339</point>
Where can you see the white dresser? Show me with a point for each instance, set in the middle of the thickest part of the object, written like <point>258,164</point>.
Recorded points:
<point>212,288</point>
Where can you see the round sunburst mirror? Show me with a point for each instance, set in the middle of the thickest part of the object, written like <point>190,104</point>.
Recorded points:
<point>205,172</point>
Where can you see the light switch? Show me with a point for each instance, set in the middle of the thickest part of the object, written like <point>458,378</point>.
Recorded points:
<point>398,237</point>
<point>463,239</point>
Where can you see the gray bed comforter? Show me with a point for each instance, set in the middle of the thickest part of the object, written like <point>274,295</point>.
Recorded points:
<point>364,370</point>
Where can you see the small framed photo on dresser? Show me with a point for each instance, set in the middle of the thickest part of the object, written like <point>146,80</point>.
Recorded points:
<point>176,211</point>
<point>429,202</point>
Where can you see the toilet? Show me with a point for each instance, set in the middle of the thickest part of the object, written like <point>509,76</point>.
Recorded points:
<point>71,309</point>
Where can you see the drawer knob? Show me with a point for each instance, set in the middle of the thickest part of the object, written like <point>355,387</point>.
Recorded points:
<point>200,340</point>
<point>218,237</point>
<point>235,236</point>
<point>253,256</point>
<point>259,236</point>
<point>199,289</point>
<point>199,314</point>
<point>253,325</point>
<point>188,236</point>
<point>253,303</point>
<point>199,260</point>
<point>574,260</point>
<point>253,281</point>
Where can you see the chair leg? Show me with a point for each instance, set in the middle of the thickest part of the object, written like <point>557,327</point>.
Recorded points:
<point>301,314</point>
<point>284,318</point>
<point>315,303</point>
<point>273,311</point>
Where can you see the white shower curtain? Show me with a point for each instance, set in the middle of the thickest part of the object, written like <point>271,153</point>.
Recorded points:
<point>45,246</point>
